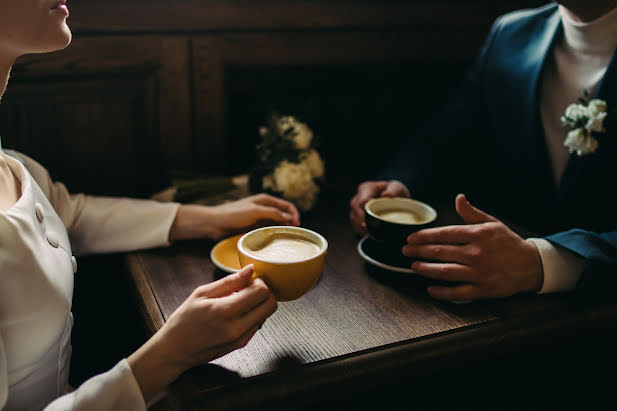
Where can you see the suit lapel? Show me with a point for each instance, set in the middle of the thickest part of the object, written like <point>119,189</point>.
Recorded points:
<point>518,73</point>
<point>540,50</point>
<point>608,92</point>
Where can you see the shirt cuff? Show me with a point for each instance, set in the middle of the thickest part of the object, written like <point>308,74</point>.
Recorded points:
<point>562,269</point>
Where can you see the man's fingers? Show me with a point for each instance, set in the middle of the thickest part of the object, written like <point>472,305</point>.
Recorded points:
<point>437,252</point>
<point>357,221</point>
<point>446,272</point>
<point>454,234</point>
<point>366,191</point>
<point>469,213</point>
<point>372,188</point>
<point>463,292</point>
<point>227,285</point>
<point>286,206</point>
<point>395,189</point>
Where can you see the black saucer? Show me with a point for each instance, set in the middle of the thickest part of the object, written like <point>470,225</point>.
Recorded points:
<point>384,256</point>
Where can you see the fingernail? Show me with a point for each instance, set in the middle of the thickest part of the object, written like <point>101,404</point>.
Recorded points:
<point>247,272</point>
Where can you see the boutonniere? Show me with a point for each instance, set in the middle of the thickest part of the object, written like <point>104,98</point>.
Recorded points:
<point>587,121</point>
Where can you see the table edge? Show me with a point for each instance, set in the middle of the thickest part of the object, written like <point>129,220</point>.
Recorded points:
<point>148,304</point>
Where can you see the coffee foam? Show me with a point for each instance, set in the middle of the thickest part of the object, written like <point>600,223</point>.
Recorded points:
<point>284,247</point>
<point>401,216</point>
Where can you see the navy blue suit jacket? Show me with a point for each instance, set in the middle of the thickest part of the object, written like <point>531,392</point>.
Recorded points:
<point>489,143</point>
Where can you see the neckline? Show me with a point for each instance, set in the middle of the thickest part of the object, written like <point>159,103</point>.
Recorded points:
<point>598,36</point>
<point>19,171</point>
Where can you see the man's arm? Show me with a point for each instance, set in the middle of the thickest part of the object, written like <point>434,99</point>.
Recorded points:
<point>599,251</point>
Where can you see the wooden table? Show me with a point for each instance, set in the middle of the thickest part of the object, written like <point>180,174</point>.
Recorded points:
<point>363,334</point>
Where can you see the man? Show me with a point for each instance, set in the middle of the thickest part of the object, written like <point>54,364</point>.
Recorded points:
<point>501,142</point>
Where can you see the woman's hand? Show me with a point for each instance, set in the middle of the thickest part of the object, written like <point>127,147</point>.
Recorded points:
<point>215,319</point>
<point>369,190</point>
<point>484,259</point>
<point>216,222</point>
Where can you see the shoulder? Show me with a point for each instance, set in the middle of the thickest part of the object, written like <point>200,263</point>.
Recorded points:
<point>32,165</point>
<point>523,21</point>
<point>36,170</point>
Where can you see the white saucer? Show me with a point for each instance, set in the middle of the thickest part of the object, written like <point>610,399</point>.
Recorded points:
<point>364,249</point>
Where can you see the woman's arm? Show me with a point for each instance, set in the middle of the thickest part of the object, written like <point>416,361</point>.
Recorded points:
<point>215,319</point>
<point>196,221</point>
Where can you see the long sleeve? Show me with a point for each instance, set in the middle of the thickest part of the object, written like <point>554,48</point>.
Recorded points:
<point>116,389</point>
<point>104,224</point>
<point>562,268</point>
<point>599,250</point>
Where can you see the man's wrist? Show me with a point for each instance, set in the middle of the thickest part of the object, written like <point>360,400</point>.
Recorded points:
<point>535,279</point>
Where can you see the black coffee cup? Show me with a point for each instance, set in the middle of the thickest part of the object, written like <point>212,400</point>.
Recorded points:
<point>392,219</point>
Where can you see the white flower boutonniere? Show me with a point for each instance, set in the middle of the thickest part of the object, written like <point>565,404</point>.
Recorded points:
<point>586,120</point>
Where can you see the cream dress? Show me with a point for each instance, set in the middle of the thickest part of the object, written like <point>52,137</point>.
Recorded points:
<point>39,237</point>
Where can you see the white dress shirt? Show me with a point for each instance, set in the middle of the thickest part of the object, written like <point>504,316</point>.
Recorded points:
<point>578,62</point>
<point>38,236</point>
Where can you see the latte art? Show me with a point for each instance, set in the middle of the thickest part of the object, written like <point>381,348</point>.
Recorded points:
<point>401,216</point>
<point>284,248</point>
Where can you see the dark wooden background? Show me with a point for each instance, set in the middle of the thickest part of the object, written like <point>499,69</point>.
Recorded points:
<point>152,86</point>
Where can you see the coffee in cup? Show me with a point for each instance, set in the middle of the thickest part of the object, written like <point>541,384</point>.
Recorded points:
<point>288,259</point>
<point>393,219</point>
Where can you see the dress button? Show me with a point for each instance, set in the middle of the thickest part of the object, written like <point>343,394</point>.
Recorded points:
<point>40,214</point>
<point>74,262</point>
<point>53,239</point>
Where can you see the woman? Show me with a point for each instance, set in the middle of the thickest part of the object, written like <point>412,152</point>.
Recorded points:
<point>42,225</point>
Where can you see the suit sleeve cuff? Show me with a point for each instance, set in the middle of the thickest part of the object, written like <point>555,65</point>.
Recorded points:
<point>562,269</point>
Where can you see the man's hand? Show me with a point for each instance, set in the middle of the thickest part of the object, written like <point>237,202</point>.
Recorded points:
<point>367,191</point>
<point>484,256</point>
<point>197,221</point>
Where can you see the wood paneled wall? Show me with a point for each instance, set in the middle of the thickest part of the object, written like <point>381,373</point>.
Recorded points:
<point>144,87</point>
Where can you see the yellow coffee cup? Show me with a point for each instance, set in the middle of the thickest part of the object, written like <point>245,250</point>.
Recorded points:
<point>288,259</point>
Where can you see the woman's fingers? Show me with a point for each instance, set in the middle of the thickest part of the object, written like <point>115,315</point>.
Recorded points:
<point>273,215</point>
<point>278,203</point>
<point>259,313</point>
<point>245,300</point>
<point>227,285</point>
